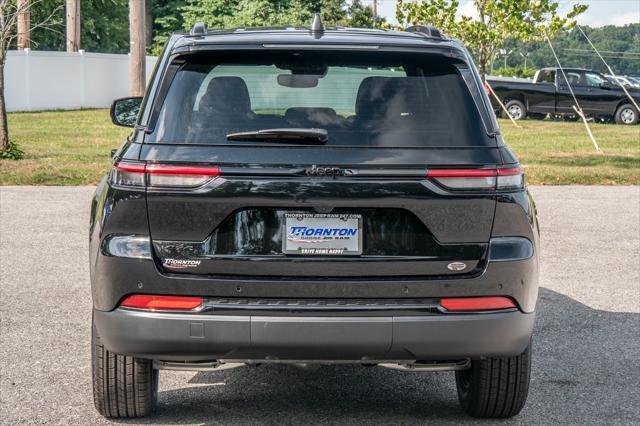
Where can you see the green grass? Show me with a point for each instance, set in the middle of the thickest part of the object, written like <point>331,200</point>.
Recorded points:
<point>61,147</point>
<point>73,148</point>
<point>561,153</point>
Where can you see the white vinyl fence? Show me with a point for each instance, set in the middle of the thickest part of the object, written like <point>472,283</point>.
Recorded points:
<point>41,80</point>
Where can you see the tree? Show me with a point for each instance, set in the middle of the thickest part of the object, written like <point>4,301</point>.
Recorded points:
<point>10,12</point>
<point>439,13</point>
<point>249,13</point>
<point>105,26</point>
<point>52,36</point>
<point>333,12</point>
<point>173,15</point>
<point>619,45</point>
<point>166,19</point>
<point>361,16</point>
<point>211,12</point>
<point>260,13</point>
<point>497,21</point>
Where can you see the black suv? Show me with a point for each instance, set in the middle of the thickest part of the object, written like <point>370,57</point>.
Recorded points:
<point>313,196</point>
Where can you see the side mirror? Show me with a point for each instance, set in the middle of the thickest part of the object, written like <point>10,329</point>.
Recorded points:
<point>606,85</point>
<point>124,111</point>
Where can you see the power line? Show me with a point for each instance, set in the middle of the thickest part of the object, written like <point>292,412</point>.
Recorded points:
<point>633,101</point>
<point>603,51</point>
<point>584,55</point>
<point>576,106</point>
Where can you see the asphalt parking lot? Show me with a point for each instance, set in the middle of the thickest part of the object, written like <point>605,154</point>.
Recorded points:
<point>586,365</point>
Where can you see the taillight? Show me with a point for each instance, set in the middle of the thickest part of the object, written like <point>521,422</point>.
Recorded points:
<point>467,304</point>
<point>128,174</point>
<point>161,303</point>
<point>156,175</point>
<point>512,177</point>
<point>464,178</point>
<point>166,175</point>
<point>478,179</point>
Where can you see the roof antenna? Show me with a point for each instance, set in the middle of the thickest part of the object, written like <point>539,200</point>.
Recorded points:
<point>317,26</point>
<point>199,29</point>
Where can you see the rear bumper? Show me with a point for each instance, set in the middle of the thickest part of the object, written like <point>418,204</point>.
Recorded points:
<point>200,337</point>
<point>114,278</point>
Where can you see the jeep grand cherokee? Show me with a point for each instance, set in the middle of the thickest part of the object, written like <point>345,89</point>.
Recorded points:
<point>313,196</point>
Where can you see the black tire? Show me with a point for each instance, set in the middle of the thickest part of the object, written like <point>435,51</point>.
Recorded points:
<point>516,109</point>
<point>123,386</point>
<point>626,114</point>
<point>495,387</point>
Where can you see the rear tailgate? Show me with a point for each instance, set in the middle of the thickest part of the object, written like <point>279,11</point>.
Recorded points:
<point>410,225</point>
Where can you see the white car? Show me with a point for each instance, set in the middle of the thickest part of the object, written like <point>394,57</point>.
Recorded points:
<point>623,81</point>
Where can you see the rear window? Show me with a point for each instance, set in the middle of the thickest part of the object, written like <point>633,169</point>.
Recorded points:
<point>547,76</point>
<point>360,99</point>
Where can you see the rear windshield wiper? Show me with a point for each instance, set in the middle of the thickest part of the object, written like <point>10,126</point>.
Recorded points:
<point>293,135</point>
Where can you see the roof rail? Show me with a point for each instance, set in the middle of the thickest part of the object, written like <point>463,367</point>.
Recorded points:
<point>199,29</point>
<point>428,30</point>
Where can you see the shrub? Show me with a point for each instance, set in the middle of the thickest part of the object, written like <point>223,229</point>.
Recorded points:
<point>514,72</point>
<point>13,153</point>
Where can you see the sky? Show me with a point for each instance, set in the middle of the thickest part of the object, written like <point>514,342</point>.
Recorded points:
<point>600,12</point>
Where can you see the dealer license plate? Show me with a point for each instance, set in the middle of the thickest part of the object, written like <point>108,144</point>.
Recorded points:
<point>322,234</point>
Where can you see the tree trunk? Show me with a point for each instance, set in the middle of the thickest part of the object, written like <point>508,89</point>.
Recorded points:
<point>482,64</point>
<point>482,68</point>
<point>4,129</point>
<point>137,47</point>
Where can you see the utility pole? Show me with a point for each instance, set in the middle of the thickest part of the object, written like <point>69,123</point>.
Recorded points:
<point>505,53</point>
<point>73,25</point>
<point>374,11</point>
<point>137,47</point>
<point>525,56</point>
<point>24,25</point>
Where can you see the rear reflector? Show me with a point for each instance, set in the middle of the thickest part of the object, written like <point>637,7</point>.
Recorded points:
<point>162,175</point>
<point>131,246</point>
<point>161,303</point>
<point>478,179</point>
<point>466,304</point>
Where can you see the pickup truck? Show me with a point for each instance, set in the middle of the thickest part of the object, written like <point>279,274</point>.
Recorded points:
<point>549,93</point>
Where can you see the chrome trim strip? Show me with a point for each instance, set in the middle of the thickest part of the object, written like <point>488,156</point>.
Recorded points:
<point>323,46</point>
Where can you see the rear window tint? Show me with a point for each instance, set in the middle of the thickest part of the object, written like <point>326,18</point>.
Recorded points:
<point>361,99</point>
